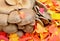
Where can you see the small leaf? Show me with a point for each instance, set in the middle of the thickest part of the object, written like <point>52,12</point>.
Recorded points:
<point>52,28</point>
<point>44,35</point>
<point>40,28</point>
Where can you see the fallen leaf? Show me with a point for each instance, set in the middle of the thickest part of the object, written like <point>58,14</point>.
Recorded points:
<point>52,28</point>
<point>40,28</point>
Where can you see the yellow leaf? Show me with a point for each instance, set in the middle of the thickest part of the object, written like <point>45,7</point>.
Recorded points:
<point>42,37</point>
<point>13,37</point>
<point>2,40</point>
<point>41,0</point>
<point>54,15</point>
<point>40,28</point>
<point>30,40</point>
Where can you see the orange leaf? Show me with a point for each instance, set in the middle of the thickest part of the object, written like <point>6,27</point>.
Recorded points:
<point>52,28</point>
<point>54,38</point>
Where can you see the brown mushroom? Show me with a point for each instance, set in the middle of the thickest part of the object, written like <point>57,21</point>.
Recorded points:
<point>28,29</point>
<point>43,18</point>
<point>20,33</point>
<point>4,8</point>
<point>14,17</point>
<point>14,5</point>
<point>32,23</point>
<point>23,27</point>
<point>3,19</point>
<point>26,3</point>
<point>21,3</point>
<point>27,16</point>
<point>10,29</point>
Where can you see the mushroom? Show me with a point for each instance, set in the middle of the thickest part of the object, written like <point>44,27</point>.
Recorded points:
<point>3,19</point>
<point>11,2</point>
<point>14,17</point>
<point>32,23</point>
<point>4,8</point>
<point>21,3</point>
<point>28,29</point>
<point>20,33</point>
<point>26,3</point>
<point>27,16</point>
<point>10,29</point>
<point>43,18</point>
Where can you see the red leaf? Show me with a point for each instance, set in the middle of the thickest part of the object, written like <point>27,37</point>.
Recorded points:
<point>28,36</point>
<point>3,38</point>
<point>3,34</point>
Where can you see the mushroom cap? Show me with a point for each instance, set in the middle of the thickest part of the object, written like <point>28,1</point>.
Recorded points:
<point>20,33</point>
<point>21,3</point>
<point>26,3</point>
<point>10,29</point>
<point>4,8</point>
<point>32,23</point>
<point>44,20</point>
<point>11,2</point>
<point>27,16</point>
<point>3,19</point>
<point>28,29</point>
<point>14,5</point>
<point>14,17</point>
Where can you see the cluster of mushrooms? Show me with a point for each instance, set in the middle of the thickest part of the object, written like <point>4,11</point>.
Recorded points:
<point>20,16</point>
